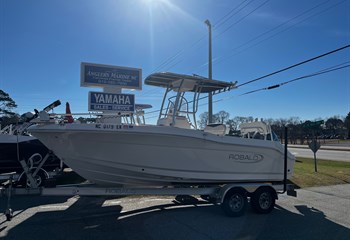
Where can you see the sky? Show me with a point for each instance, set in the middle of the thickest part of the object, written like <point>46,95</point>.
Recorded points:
<point>42,44</point>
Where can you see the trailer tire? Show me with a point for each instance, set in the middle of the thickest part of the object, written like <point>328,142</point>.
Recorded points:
<point>235,202</point>
<point>263,200</point>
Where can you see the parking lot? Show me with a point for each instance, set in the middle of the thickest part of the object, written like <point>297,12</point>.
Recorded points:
<point>317,213</point>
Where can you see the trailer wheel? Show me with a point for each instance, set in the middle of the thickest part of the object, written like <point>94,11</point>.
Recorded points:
<point>263,200</point>
<point>235,202</point>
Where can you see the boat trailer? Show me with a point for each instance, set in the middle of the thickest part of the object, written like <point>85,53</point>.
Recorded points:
<point>233,197</point>
<point>33,174</point>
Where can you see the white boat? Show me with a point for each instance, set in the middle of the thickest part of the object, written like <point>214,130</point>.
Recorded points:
<point>171,152</point>
<point>22,154</point>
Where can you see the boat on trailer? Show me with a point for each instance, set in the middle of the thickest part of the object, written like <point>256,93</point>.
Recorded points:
<point>22,154</point>
<point>172,152</point>
<point>14,148</point>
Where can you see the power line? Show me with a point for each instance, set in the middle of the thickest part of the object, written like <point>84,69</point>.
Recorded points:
<point>219,23</point>
<point>290,67</point>
<point>242,18</point>
<point>235,23</point>
<point>295,65</point>
<point>323,71</point>
<point>297,79</point>
<point>223,58</point>
<point>171,59</point>
<point>220,59</point>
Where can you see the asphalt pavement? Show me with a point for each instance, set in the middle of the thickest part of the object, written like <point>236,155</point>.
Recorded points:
<point>339,152</point>
<point>317,213</point>
<point>337,155</point>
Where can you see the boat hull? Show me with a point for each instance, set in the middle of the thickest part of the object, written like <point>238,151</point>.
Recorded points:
<point>154,155</point>
<point>14,148</point>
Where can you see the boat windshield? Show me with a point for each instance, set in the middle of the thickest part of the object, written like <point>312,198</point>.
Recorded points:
<point>258,130</point>
<point>182,109</point>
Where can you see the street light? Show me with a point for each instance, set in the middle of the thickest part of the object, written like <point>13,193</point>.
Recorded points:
<point>210,95</point>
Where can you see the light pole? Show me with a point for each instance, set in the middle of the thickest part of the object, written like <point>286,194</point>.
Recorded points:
<point>210,95</point>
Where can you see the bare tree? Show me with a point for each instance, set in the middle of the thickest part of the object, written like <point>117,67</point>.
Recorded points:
<point>222,117</point>
<point>203,120</point>
<point>233,125</point>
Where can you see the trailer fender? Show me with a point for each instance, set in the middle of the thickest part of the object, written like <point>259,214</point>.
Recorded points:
<point>248,188</point>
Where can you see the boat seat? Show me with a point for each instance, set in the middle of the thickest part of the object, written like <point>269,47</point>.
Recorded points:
<point>216,129</point>
<point>180,122</point>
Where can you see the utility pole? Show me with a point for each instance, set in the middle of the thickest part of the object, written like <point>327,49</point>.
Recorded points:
<point>210,94</point>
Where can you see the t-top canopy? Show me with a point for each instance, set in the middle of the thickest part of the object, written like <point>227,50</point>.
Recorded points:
<point>142,106</point>
<point>190,84</point>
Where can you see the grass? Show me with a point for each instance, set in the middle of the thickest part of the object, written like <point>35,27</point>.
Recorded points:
<point>329,173</point>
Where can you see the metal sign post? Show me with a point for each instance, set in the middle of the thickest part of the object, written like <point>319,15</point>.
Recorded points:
<point>314,145</point>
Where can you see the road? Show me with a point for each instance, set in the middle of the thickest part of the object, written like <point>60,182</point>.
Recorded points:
<point>317,213</point>
<point>321,154</point>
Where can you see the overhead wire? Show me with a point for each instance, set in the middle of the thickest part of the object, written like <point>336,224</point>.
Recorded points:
<point>220,23</point>
<point>222,20</point>
<point>172,58</point>
<point>321,72</point>
<point>217,60</point>
<point>294,65</point>
<point>307,11</point>
<point>223,58</point>
<point>242,18</point>
<point>298,78</point>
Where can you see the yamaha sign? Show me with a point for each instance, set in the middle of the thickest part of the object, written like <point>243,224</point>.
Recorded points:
<point>111,102</point>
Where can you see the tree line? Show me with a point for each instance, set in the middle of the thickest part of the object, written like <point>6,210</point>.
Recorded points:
<point>299,131</point>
